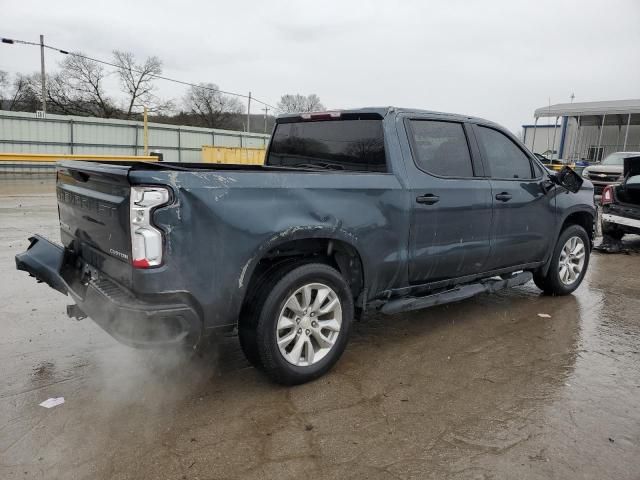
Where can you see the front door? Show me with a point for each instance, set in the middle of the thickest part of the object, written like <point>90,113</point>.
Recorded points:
<point>451,213</point>
<point>523,211</point>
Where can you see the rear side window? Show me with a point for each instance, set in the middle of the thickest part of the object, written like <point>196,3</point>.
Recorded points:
<point>352,145</point>
<point>441,148</point>
<point>504,157</point>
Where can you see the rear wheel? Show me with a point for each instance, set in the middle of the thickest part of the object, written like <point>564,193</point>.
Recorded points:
<point>250,313</point>
<point>303,323</point>
<point>568,264</point>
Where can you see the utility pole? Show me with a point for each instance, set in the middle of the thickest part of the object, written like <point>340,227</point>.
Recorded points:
<point>249,113</point>
<point>266,110</point>
<point>44,90</point>
<point>145,131</point>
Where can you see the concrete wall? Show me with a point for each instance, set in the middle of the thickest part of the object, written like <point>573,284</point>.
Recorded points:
<point>24,133</point>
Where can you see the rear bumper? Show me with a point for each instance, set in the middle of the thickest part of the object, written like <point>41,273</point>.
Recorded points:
<point>631,225</point>
<point>130,320</point>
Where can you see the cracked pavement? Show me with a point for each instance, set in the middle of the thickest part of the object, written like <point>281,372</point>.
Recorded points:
<point>481,389</point>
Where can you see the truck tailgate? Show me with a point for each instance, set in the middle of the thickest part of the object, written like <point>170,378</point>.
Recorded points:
<point>93,205</point>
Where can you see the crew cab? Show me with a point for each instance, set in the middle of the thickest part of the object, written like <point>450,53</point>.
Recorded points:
<point>382,209</point>
<point>621,203</point>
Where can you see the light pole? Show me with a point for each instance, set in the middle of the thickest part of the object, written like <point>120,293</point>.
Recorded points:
<point>249,113</point>
<point>266,110</point>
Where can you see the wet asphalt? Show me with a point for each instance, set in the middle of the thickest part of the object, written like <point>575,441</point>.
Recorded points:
<point>481,389</point>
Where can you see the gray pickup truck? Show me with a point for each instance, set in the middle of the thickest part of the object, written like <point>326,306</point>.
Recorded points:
<point>381,209</point>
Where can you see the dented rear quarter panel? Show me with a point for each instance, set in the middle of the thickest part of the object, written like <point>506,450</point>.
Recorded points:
<point>222,223</point>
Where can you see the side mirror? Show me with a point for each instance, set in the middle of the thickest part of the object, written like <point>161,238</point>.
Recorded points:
<point>568,179</point>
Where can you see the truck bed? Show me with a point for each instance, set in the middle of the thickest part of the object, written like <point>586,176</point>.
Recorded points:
<point>223,218</point>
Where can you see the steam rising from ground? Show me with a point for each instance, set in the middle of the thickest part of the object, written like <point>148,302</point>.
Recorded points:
<point>149,384</point>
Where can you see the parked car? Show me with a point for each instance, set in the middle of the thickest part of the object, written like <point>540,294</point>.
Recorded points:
<point>608,172</point>
<point>375,209</point>
<point>621,203</point>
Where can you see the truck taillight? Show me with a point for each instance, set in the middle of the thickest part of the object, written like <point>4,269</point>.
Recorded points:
<point>607,195</point>
<point>146,240</point>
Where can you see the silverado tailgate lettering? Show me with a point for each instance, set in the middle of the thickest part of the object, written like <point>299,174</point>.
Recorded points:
<point>85,203</point>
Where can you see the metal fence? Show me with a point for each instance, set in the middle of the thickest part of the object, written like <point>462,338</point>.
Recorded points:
<point>26,133</point>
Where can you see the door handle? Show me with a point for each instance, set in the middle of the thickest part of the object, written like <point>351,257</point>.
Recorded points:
<point>503,196</point>
<point>428,199</point>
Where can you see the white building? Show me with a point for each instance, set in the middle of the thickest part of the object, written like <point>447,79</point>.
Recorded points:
<point>586,130</point>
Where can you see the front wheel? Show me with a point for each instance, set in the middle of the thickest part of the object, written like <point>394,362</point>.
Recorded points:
<point>568,264</point>
<point>303,324</point>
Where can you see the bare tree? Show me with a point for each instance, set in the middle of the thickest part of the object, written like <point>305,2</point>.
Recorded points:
<point>136,80</point>
<point>4,84</point>
<point>314,104</point>
<point>300,103</point>
<point>213,107</point>
<point>79,87</point>
<point>18,94</point>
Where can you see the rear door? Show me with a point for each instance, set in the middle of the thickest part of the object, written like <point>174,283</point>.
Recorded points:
<point>451,201</point>
<point>523,212</point>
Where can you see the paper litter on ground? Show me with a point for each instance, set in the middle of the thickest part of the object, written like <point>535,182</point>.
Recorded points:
<point>52,402</point>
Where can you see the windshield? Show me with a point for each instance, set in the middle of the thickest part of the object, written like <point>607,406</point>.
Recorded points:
<point>615,159</point>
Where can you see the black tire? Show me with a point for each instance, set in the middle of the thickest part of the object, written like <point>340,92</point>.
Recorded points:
<point>249,316</point>
<point>611,230</point>
<point>269,307</point>
<point>249,346</point>
<point>550,283</point>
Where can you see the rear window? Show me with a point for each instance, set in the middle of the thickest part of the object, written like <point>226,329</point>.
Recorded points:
<point>441,148</point>
<point>352,145</point>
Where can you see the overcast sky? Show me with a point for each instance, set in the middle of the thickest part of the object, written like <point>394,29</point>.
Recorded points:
<point>495,59</point>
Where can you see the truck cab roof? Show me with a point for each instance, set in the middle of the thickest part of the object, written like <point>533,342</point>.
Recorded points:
<point>382,112</point>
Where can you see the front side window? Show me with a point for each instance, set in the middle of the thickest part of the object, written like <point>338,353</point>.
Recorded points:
<point>504,157</point>
<point>441,148</point>
<point>352,145</point>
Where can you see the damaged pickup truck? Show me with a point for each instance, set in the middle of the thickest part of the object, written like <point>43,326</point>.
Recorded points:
<point>374,209</point>
<point>621,203</point>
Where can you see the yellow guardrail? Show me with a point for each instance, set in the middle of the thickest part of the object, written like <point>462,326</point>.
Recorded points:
<point>52,158</point>
<point>232,155</point>
<point>558,167</point>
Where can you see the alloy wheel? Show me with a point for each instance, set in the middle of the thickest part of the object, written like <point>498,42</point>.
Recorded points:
<point>309,324</point>
<point>571,260</point>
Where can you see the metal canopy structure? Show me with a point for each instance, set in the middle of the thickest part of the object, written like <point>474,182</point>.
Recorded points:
<point>616,113</point>
<point>613,107</point>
